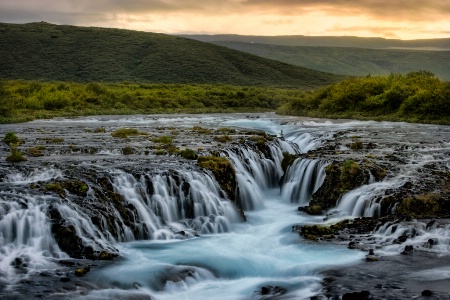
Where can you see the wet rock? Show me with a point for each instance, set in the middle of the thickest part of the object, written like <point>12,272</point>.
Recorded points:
<point>363,295</point>
<point>64,279</point>
<point>433,241</point>
<point>409,249</point>
<point>401,239</point>
<point>427,293</point>
<point>371,252</point>
<point>82,271</point>
<point>430,224</point>
<point>105,255</point>
<point>272,290</point>
<point>19,263</point>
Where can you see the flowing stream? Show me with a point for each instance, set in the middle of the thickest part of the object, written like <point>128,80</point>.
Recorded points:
<point>188,241</point>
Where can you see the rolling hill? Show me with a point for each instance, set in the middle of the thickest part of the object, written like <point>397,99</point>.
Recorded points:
<point>47,52</point>
<point>329,41</point>
<point>352,61</point>
<point>345,55</point>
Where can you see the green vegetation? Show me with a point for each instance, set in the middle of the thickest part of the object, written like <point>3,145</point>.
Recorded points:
<point>352,61</point>
<point>87,54</point>
<point>165,139</point>
<point>15,155</point>
<point>223,172</point>
<point>415,97</point>
<point>188,154</point>
<point>128,150</point>
<point>28,100</point>
<point>34,151</point>
<point>11,138</point>
<point>125,132</point>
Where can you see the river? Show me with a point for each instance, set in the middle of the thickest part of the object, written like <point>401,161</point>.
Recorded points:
<point>186,240</point>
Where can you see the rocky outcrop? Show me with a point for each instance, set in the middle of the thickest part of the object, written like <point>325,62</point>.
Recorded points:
<point>342,177</point>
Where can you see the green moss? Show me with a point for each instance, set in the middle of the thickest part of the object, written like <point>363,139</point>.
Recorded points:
<point>358,145</point>
<point>55,187</point>
<point>223,138</point>
<point>422,206</point>
<point>159,152</point>
<point>33,151</point>
<point>11,138</point>
<point>188,154</point>
<point>15,155</point>
<point>288,159</point>
<point>222,170</point>
<point>125,132</point>
<point>128,150</point>
<point>201,130</point>
<point>167,140</point>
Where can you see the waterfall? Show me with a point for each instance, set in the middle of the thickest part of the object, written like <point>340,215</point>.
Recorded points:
<point>178,204</point>
<point>26,242</point>
<point>256,172</point>
<point>302,179</point>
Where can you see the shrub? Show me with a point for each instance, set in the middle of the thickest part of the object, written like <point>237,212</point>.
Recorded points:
<point>11,138</point>
<point>15,156</point>
<point>128,150</point>
<point>188,154</point>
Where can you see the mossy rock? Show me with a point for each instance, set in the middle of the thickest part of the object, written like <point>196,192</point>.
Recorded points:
<point>430,205</point>
<point>82,271</point>
<point>223,171</point>
<point>188,154</point>
<point>15,156</point>
<point>11,139</point>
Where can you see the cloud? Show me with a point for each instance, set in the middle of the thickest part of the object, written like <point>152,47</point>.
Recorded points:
<point>263,17</point>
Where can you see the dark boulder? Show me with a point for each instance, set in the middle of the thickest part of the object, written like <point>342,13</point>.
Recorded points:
<point>409,249</point>
<point>363,295</point>
<point>427,293</point>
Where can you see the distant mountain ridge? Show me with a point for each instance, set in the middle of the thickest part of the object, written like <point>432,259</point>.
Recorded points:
<point>43,51</point>
<point>345,55</point>
<point>329,41</point>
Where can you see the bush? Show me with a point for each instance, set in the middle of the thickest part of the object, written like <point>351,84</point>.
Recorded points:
<point>128,150</point>
<point>11,138</point>
<point>15,156</point>
<point>188,154</point>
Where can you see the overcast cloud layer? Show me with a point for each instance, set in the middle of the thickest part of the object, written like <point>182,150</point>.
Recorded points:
<point>405,19</point>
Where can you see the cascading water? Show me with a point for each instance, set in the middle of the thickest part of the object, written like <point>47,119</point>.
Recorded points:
<point>302,179</point>
<point>26,242</point>
<point>177,205</point>
<point>177,234</point>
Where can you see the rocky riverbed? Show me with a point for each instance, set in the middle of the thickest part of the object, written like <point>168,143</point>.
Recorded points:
<point>96,185</point>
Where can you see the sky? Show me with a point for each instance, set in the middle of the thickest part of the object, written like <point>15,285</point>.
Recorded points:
<point>400,19</point>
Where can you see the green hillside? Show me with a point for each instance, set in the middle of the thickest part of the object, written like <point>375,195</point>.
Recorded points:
<point>352,61</point>
<point>329,41</point>
<point>46,52</point>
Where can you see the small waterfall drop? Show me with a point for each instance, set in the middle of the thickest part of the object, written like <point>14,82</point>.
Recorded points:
<point>302,179</point>
<point>26,242</point>
<point>177,205</point>
<point>257,172</point>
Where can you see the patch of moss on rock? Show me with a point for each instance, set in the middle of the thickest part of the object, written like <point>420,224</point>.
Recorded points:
<point>223,171</point>
<point>430,205</point>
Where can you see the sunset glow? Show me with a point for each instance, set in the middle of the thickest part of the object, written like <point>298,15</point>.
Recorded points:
<point>403,19</point>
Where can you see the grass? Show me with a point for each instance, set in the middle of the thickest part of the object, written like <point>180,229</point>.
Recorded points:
<point>87,54</point>
<point>351,61</point>
<point>125,132</point>
<point>28,100</point>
